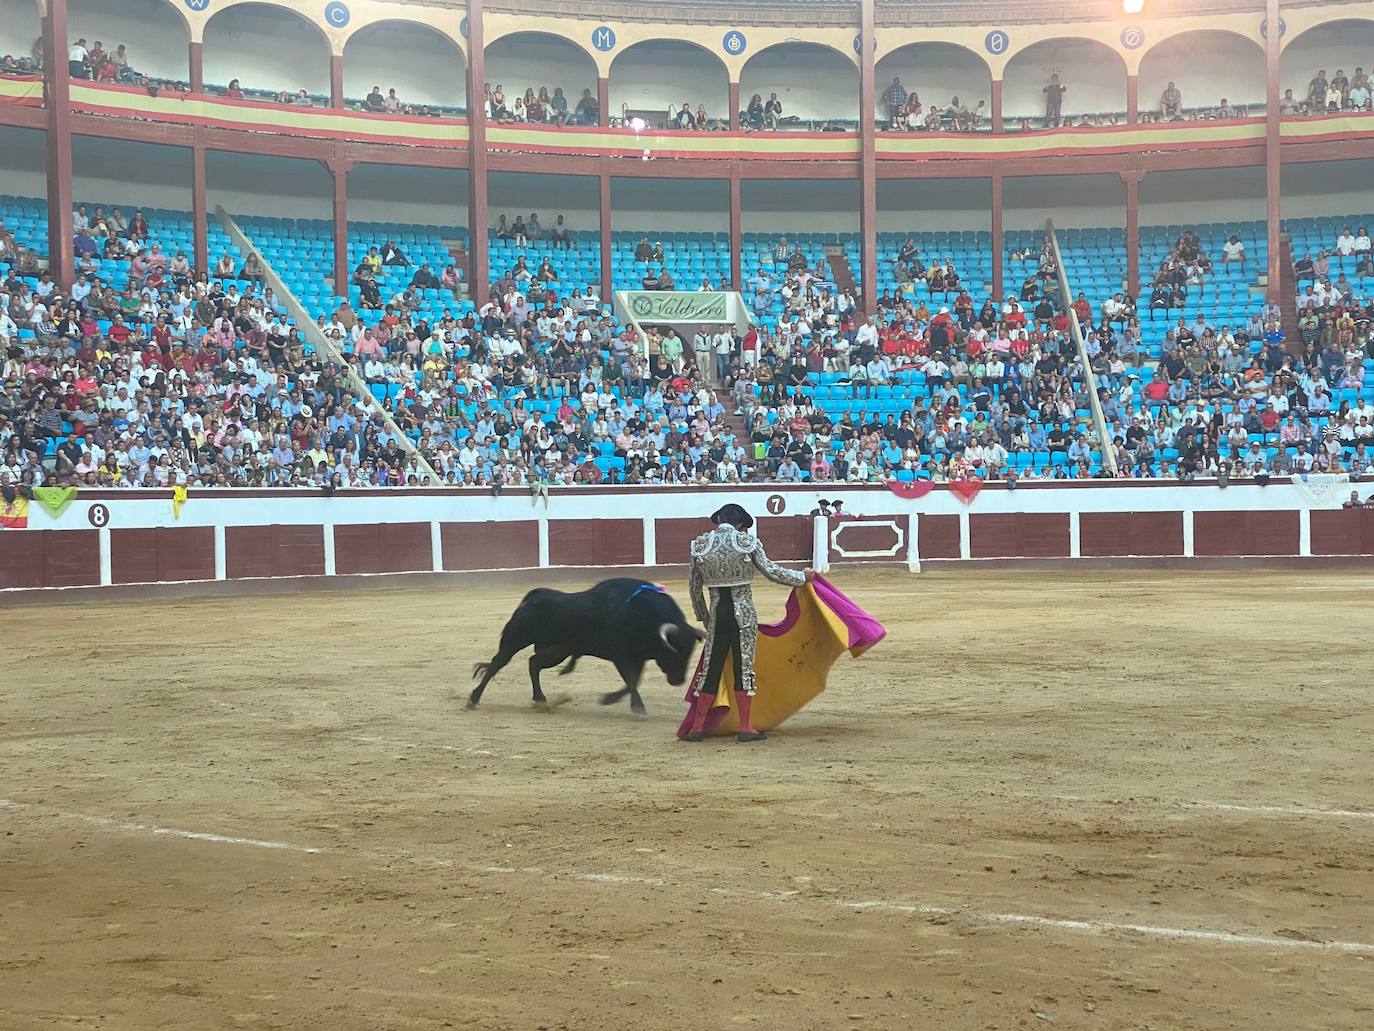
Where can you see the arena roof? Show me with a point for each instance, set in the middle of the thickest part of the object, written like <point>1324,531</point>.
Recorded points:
<point>888,12</point>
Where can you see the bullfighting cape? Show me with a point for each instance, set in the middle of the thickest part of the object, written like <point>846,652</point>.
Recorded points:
<point>794,657</point>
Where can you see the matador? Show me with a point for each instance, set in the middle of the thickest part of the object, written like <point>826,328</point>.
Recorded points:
<point>724,561</point>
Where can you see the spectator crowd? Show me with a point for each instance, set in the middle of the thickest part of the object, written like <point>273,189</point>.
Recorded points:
<point>189,377</point>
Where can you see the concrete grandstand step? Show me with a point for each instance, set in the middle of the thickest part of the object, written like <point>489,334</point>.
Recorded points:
<point>839,268</point>
<point>1288,297</point>
<point>457,251</point>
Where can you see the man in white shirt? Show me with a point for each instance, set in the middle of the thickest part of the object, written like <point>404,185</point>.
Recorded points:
<point>1233,251</point>
<point>724,345</point>
<point>701,346</point>
<point>879,374</point>
<point>76,60</point>
<point>867,334</point>
<point>1345,243</point>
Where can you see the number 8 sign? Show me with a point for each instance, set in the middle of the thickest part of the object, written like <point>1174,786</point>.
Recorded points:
<point>997,42</point>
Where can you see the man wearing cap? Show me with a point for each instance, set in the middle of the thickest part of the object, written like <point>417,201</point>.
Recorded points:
<point>724,561</point>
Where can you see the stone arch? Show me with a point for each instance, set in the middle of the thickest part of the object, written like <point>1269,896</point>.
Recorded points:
<point>1340,44</point>
<point>268,47</point>
<point>1093,73</point>
<point>937,71</point>
<point>523,59</point>
<point>433,74</point>
<point>1205,65</point>
<point>814,81</point>
<point>649,76</point>
<point>155,33</point>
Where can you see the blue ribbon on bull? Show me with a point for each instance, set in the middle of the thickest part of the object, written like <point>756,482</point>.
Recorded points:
<point>656,588</point>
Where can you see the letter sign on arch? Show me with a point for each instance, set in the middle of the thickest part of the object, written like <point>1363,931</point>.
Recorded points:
<point>1132,37</point>
<point>197,5</point>
<point>997,42</point>
<point>336,14</point>
<point>603,38</point>
<point>734,43</point>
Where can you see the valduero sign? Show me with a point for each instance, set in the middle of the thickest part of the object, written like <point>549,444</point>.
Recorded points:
<point>674,306</point>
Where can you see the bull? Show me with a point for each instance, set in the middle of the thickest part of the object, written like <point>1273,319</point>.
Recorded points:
<point>625,621</point>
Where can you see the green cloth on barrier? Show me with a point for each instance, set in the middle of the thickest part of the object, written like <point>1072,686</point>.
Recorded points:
<point>54,499</point>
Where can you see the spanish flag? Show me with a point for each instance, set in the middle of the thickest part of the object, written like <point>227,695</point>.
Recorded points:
<point>14,515</point>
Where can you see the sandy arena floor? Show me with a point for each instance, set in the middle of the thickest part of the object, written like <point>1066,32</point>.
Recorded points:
<point>1124,800</point>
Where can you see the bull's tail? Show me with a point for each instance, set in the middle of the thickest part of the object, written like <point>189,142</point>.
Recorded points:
<point>572,664</point>
<point>479,669</point>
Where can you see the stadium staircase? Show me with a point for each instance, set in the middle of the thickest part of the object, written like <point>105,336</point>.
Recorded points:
<point>458,254</point>
<point>840,272</point>
<point>1288,297</point>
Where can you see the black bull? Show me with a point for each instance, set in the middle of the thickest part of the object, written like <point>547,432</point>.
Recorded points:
<point>627,622</point>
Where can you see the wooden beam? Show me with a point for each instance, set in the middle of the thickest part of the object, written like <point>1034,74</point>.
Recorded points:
<point>736,233</point>
<point>868,182</point>
<point>606,229</point>
<point>1132,179</point>
<point>1273,151</point>
<point>339,169</point>
<point>998,247</point>
<point>59,144</point>
<point>336,81</point>
<point>199,210</point>
<point>479,286</point>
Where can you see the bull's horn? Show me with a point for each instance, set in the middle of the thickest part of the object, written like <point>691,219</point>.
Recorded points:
<point>700,635</point>
<point>664,629</point>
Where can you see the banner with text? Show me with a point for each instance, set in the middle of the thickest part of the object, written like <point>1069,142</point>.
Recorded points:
<point>681,307</point>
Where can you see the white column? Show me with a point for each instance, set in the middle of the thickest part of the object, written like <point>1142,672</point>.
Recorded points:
<point>913,542</point>
<point>650,542</point>
<point>544,543</point>
<point>436,546</point>
<point>221,566</point>
<point>1187,533</point>
<point>965,548</point>
<point>820,544</point>
<point>106,571</point>
<point>329,568</point>
<point>1074,550</point>
<point>1305,532</point>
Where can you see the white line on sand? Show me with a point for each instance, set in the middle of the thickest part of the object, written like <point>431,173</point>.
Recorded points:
<point>166,832</point>
<point>1215,937</point>
<point>1227,807</point>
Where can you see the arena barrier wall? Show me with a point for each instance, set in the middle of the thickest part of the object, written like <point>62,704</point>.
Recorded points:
<point>107,538</point>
